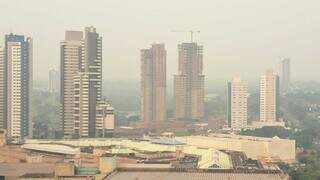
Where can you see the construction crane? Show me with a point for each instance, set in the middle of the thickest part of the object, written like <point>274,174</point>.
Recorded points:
<point>189,31</point>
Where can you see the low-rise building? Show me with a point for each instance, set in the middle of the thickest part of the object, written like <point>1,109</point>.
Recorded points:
<point>266,149</point>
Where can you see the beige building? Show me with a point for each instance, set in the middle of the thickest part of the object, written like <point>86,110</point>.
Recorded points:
<point>71,54</point>
<point>153,83</point>
<point>237,104</point>
<point>269,97</point>
<point>81,82</point>
<point>81,100</point>
<point>189,83</point>
<point>265,149</point>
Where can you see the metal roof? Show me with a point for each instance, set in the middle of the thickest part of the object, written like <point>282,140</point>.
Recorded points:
<point>51,148</point>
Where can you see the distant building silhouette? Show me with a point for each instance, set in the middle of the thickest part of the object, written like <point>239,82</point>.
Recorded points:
<point>285,74</point>
<point>53,83</point>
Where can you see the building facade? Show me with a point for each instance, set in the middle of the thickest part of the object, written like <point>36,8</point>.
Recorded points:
<point>269,97</point>
<point>189,83</point>
<point>92,65</point>
<point>53,83</point>
<point>105,119</point>
<point>153,83</point>
<point>237,104</point>
<point>81,82</point>
<point>16,86</point>
<point>285,74</point>
<point>71,54</point>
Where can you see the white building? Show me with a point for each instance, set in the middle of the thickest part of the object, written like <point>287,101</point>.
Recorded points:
<point>237,104</point>
<point>16,87</point>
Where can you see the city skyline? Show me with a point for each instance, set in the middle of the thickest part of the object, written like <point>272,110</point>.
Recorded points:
<point>254,43</point>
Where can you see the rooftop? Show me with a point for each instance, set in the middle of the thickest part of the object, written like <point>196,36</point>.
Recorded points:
<point>51,148</point>
<point>159,175</point>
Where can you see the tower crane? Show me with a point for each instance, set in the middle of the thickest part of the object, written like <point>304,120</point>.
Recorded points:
<point>188,31</point>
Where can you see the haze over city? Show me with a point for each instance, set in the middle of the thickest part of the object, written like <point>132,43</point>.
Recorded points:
<point>236,35</point>
<point>167,89</point>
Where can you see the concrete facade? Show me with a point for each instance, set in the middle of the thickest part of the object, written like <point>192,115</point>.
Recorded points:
<point>153,83</point>
<point>189,83</point>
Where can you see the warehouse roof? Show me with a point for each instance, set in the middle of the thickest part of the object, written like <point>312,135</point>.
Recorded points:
<point>51,148</point>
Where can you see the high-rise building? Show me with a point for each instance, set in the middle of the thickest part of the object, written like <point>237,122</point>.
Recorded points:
<point>285,74</point>
<point>269,97</point>
<point>237,104</point>
<point>153,83</point>
<point>71,54</point>
<point>189,83</point>
<point>81,82</point>
<point>53,83</point>
<point>16,86</point>
<point>92,64</point>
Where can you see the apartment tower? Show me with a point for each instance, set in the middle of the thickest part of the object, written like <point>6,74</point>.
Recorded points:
<point>269,97</point>
<point>153,83</point>
<point>189,83</point>
<point>237,104</point>
<point>16,86</point>
<point>71,54</point>
<point>81,82</point>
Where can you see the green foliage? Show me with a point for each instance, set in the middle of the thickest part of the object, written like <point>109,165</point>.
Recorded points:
<point>269,132</point>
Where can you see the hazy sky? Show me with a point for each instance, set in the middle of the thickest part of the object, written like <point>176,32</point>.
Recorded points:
<point>239,36</point>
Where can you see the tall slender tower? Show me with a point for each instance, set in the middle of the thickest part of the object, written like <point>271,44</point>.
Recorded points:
<point>153,83</point>
<point>237,104</point>
<point>17,86</point>
<point>71,50</point>
<point>269,97</point>
<point>92,65</point>
<point>285,76</point>
<point>81,82</point>
<point>189,83</point>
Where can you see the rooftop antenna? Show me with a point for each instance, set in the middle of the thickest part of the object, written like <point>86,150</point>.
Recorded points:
<point>188,31</point>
